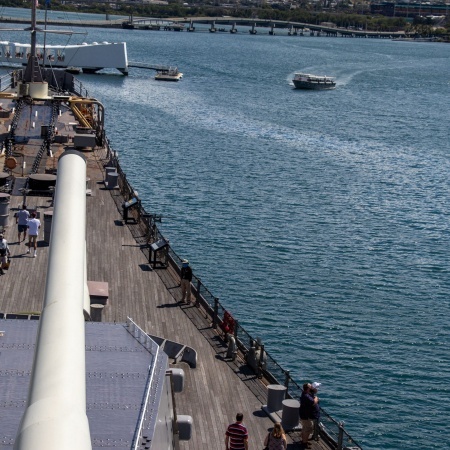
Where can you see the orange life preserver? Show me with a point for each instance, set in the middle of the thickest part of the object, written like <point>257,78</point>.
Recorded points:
<point>11,162</point>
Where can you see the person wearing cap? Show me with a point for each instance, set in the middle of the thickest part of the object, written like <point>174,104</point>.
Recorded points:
<point>21,220</point>
<point>315,410</point>
<point>4,253</point>
<point>307,405</point>
<point>33,230</point>
<point>186,278</point>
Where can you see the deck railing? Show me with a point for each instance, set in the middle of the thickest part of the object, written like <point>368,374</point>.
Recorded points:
<point>153,349</point>
<point>330,430</point>
<point>5,82</point>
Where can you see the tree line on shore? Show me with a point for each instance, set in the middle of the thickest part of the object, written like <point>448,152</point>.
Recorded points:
<point>345,18</point>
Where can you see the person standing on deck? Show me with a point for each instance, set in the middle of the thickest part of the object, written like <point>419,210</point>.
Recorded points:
<point>4,253</point>
<point>236,436</point>
<point>21,221</point>
<point>276,439</point>
<point>33,225</point>
<point>186,278</point>
<point>307,404</point>
<point>315,411</point>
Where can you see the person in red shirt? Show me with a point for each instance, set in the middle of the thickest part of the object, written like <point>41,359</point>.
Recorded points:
<point>236,437</point>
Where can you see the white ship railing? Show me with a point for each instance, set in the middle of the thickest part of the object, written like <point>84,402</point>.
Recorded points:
<point>153,348</point>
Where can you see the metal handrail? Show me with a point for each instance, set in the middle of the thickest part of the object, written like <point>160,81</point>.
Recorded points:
<point>5,82</point>
<point>142,414</point>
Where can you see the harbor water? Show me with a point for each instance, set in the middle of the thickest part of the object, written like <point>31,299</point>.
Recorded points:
<point>320,219</point>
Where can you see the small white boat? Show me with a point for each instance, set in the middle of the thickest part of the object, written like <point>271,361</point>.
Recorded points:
<point>317,82</point>
<point>170,74</point>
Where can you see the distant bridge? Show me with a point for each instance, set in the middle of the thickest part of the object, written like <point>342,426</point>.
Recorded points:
<point>188,24</point>
<point>178,24</point>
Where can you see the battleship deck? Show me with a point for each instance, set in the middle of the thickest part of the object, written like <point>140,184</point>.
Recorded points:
<point>217,388</point>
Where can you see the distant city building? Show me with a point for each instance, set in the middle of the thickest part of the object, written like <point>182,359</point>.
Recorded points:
<point>391,9</point>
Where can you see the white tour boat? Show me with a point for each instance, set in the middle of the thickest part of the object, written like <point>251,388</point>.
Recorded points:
<point>170,74</point>
<point>308,81</point>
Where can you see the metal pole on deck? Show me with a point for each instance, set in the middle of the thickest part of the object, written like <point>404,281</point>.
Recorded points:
<point>197,293</point>
<point>45,34</point>
<point>287,377</point>
<point>261,361</point>
<point>216,312</point>
<point>33,39</point>
<point>340,436</point>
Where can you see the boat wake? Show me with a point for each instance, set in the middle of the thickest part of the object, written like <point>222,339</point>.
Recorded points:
<point>193,111</point>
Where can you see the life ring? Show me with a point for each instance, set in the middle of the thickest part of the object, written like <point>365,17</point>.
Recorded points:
<point>11,162</point>
<point>228,323</point>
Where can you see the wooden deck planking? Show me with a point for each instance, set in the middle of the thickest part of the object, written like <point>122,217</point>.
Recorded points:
<point>216,389</point>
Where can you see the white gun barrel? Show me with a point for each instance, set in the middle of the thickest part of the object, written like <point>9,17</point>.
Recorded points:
<point>55,416</point>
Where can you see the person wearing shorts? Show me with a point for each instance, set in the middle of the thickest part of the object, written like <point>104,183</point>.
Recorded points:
<point>21,221</point>
<point>33,231</point>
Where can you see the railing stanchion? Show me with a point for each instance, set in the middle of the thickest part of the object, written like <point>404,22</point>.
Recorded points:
<point>197,295</point>
<point>340,436</point>
<point>287,377</point>
<point>261,361</point>
<point>216,312</point>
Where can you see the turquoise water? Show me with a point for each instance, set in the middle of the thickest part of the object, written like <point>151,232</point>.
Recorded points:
<point>320,219</point>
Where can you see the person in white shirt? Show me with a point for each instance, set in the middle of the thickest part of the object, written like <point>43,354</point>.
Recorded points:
<point>4,253</point>
<point>33,231</point>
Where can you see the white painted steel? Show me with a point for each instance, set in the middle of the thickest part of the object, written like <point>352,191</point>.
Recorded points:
<point>89,56</point>
<point>137,332</point>
<point>86,298</point>
<point>38,90</point>
<point>55,416</point>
